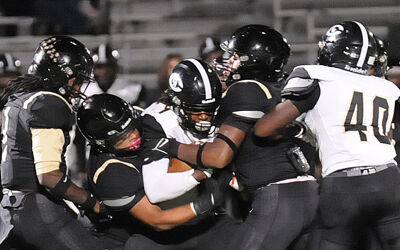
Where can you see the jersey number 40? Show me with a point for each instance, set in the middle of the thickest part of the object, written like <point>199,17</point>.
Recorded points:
<point>378,123</point>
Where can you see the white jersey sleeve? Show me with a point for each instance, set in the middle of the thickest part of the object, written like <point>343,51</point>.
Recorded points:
<point>159,185</point>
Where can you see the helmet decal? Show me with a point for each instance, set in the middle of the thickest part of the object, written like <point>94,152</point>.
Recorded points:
<point>175,82</point>
<point>335,30</point>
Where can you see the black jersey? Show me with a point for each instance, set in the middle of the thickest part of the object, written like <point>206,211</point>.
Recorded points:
<point>117,181</point>
<point>22,112</point>
<point>258,161</point>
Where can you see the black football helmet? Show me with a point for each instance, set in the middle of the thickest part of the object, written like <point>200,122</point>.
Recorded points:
<point>105,119</point>
<point>9,65</point>
<point>104,54</point>
<point>195,87</point>
<point>262,51</point>
<point>350,46</point>
<point>381,62</point>
<point>105,65</point>
<point>59,59</point>
<point>210,44</point>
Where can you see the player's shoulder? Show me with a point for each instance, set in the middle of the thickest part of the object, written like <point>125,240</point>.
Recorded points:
<point>304,79</point>
<point>248,89</point>
<point>115,179</point>
<point>48,110</point>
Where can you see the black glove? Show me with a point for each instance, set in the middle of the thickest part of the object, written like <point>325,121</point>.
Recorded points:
<point>295,129</point>
<point>210,198</point>
<point>155,149</point>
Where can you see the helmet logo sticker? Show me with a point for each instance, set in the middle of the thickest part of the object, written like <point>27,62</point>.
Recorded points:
<point>175,82</point>
<point>335,30</point>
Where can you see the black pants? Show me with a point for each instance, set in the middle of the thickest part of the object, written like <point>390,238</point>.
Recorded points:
<point>40,223</point>
<point>349,205</point>
<point>279,214</point>
<point>213,232</point>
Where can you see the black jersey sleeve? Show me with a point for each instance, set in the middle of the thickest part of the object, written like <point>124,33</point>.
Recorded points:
<point>151,128</point>
<point>50,111</point>
<point>396,116</point>
<point>119,185</point>
<point>299,83</point>
<point>301,89</point>
<point>245,102</point>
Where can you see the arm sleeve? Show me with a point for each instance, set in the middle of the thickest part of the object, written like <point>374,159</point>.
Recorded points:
<point>396,116</point>
<point>47,147</point>
<point>301,89</point>
<point>306,102</point>
<point>160,185</point>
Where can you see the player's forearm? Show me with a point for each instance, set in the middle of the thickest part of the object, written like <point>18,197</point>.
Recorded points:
<point>278,117</point>
<point>214,155</point>
<point>171,218</point>
<point>55,180</point>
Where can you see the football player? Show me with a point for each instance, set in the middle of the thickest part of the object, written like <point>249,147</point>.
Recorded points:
<point>278,187</point>
<point>107,81</point>
<point>210,50</point>
<point>37,116</point>
<point>114,131</point>
<point>350,113</point>
<point>187,112</point>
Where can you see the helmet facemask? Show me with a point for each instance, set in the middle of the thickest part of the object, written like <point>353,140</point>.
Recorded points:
<point>201,128</point>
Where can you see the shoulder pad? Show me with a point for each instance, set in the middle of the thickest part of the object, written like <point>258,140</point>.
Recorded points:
<point>49,110</point>
<point>299,83</point>
<point>249,99</point>
<point>118,183</point>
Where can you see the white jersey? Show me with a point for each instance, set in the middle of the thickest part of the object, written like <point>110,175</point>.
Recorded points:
<point>160,185</point>
<point>351,118</point>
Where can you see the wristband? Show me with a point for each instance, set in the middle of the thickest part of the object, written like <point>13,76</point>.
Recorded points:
<point>199,154</point>
<point>61,187</point>
<point>90,202</point>
<point>173,147</point>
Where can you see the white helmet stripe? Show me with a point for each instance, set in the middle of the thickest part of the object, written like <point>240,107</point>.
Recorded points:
<point>10,61</point>
<point>206,81</point>
<point>365,42</point>
<point>102,53</point>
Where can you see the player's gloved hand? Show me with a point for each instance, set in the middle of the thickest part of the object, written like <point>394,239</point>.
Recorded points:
<point>210,198</point>
<point>160,148</point>
<point>295,129</point>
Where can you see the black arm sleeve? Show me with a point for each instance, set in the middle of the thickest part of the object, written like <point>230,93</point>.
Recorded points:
<point>396,115</point>
<point>306,102</point>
